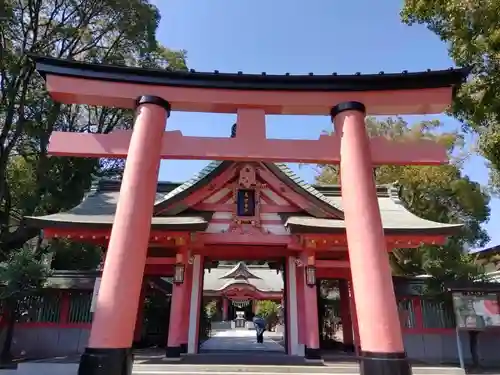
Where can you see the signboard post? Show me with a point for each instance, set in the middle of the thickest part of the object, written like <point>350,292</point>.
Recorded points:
<point>95,293</point>
<point>474,311</point>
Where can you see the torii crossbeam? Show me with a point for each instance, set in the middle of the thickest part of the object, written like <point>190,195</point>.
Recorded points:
<point>249,144</point>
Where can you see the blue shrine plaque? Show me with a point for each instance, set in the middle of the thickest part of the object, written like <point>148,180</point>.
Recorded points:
<point>245,202</point>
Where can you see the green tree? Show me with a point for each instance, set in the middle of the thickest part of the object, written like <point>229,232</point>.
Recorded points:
<point>471,30</point>
<point>21,275</point>
<point>73,255</point>
<point>269,310</point>
<point>119,32</point>
<point>438,193</point>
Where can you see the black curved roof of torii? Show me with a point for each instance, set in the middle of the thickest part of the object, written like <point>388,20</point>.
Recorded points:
<point>405,80</point>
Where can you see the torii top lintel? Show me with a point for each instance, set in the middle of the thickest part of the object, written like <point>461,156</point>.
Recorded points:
<point>251,96</point>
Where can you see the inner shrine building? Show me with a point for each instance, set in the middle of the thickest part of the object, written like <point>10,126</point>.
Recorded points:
<point>247,204</point>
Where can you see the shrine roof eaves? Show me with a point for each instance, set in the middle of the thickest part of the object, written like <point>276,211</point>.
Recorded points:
<point>390,223</point>
<point>240,81</point>
<point>98,208</point>
<point>396,218</point>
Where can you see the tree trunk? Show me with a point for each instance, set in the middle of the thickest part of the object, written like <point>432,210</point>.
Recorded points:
<point>10,316</point>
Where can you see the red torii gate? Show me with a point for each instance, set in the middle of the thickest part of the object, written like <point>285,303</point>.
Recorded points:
<point>155,93</point>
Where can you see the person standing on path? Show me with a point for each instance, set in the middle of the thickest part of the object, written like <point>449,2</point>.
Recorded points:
<point>260,327</point>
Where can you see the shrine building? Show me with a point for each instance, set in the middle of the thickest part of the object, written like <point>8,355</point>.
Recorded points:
<point>283,215</point>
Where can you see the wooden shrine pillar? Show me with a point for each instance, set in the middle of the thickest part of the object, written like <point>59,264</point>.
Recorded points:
<point>225,309</point>
<point>188,280</point>
<point>291,331</point>
<point>109,348</point>
<point>310,303</point>
<point>382,350</point>
<point>140,315</point>
<point>301,307</point>
<point>345,315</point>
<point>177,310</point>
<point>195,301</point>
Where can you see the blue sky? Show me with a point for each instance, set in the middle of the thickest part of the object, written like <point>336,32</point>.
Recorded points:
<point>279,36</point>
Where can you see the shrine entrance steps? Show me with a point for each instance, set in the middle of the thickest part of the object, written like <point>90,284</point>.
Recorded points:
<point>183,368</point>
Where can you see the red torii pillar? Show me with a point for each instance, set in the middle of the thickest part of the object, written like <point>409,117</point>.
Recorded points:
<point>382,349</point>
<point>109,348</point>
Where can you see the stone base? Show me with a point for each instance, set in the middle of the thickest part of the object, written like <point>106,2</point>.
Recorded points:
<point>105,361</point>
<point>173,352</point>
<point>384,364</point>
<point>312,354</point>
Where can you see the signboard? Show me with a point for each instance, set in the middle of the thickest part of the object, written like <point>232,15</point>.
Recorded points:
<point>476,311</point>
<point>245,202</point>
<point>95,293</point>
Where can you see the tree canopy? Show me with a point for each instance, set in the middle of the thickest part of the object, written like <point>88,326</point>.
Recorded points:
<point>471,30</point>
<point>121,32</point>
<point>439,193</point>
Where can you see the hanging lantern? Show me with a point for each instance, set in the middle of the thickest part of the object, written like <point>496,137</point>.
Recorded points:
<point>179,273</point>
<point>310,276</point>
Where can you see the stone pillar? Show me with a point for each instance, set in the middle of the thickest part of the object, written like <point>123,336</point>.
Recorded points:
<point>225,309</point>
<point>345,315</point>
<point>109,347</point>
<point>382,350</point>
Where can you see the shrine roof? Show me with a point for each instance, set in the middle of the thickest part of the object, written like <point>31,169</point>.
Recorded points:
<point>280,170</point>
<point>395,216</point>
<point>240,81</point>
<point>261,278</point>
<point>240,271</point>
<point>98,207</point>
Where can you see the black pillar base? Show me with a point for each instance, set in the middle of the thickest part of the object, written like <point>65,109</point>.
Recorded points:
<point>184,348</point>
<point>313,354</point>
<point>348,348</point>
<point>173,352</point>
<point>105,361</point>
<point>384,364</point>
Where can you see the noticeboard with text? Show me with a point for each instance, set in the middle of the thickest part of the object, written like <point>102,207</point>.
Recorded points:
<point>476,310</point>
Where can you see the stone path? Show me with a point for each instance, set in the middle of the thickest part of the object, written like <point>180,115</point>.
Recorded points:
<point>241,340</point>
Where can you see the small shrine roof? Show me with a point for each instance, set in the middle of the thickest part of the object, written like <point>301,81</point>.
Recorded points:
<point>240,271</point>
<point>261,278</point>
<point>99,206</point>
